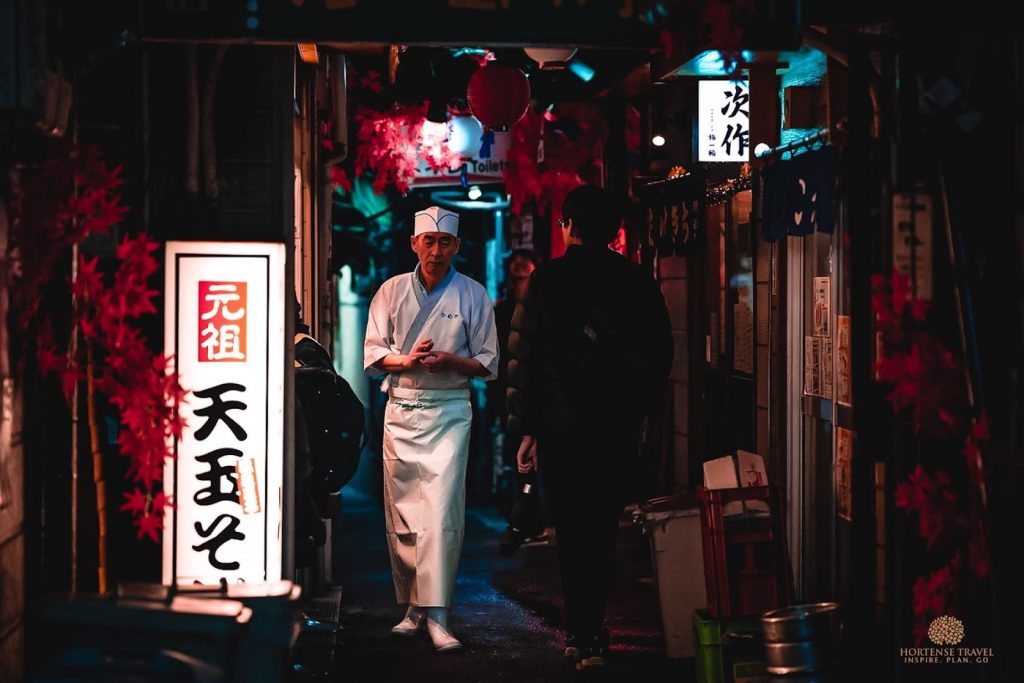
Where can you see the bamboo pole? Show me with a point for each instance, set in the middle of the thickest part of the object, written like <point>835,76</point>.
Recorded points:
<point>72,357</point>
<point>209,147</point>
<point>191,122</point>
<point>97,471</point>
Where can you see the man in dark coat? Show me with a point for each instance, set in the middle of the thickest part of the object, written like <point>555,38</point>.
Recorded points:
<point>590,352</point>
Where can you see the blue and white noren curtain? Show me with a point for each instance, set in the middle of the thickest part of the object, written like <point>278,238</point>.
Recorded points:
<point>799,195</point>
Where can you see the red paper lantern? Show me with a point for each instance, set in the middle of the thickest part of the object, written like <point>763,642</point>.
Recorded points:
<point>498,95</point>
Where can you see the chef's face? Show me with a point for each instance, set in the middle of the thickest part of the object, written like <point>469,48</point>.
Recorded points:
<point>435,251</point>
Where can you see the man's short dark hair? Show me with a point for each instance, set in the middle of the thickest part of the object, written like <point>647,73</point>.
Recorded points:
<point>594,213</point>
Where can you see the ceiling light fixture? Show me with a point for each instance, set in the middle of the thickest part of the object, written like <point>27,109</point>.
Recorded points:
<point>550,58</point>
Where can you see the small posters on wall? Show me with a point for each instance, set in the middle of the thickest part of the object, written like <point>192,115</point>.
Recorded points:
<point>844,386</point>
<point>822,307</point>
<point>818,366</point>
<point>743,337</point>
<point>818,346</point>
<point>842,463</point>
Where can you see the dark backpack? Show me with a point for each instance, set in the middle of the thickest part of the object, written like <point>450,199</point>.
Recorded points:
<point>335,421</point>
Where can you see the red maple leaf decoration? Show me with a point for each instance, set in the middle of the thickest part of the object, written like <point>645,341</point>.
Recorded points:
<point>391,145</point>
<point>371,81</point>
<point>89,282</point>
<point>340,178</point>
<point>924,374</point>
<point>49,360</point>
<point>326,141</point>
<point>135,502</point>
<point>50,216</point>
<point>938,508</point>
<point>150,525</point>
<point>933,596</point>
<point>927,381</point>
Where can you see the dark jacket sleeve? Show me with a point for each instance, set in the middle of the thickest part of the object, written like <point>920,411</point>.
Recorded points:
<point>522,347</point>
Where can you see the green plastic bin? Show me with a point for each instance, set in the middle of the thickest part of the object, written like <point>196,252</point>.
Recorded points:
<point>729,650</point>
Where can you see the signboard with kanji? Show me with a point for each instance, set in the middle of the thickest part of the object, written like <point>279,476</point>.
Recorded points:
<point>723,121</point>
<point>224,326</point>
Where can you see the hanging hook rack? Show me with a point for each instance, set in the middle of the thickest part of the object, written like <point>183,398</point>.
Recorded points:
<point>775,153</point>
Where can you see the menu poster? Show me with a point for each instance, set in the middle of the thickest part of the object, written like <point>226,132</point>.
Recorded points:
<point>822,306</point>
<point>825,363</point>
<point>844,386</point>
<point>743,338</point>
<point>842,464</point>
<point>812,371</point>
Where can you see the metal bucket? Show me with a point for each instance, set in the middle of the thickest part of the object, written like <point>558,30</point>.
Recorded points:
<point>800,638</point>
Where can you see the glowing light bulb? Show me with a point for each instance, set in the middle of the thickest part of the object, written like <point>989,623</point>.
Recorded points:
<point>658,140</point>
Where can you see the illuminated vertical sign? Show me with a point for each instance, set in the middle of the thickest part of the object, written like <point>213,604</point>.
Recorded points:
<point>224,325</point>
<point>723,121</point>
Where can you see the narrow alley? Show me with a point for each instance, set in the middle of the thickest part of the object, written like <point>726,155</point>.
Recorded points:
<point>507,613</point>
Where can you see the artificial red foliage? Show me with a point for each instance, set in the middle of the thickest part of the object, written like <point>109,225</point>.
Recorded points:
<point>566,161</point>
<point>391,144</point>
<point>928,386</point>
<point>73,196</point>
<point>938,508</point>
<point>925,375</point>
<point>339,178</point>
<point>522,172</point>
<point>932,596</point>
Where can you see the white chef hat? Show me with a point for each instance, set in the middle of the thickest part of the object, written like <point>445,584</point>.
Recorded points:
<point>436,219</point>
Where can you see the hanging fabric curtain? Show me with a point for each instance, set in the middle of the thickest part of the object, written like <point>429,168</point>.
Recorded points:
<point>674,208</point>
<point>799,195</point>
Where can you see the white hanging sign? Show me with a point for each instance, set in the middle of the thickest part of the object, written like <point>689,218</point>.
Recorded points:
<point>912,241</point>
<point>484,161</point>
<point>224,326</point>
<point>723,121</point>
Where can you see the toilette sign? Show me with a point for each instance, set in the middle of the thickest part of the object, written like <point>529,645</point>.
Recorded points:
<point>723,121</point>
<point>485,161</point>
<point>224,325</point>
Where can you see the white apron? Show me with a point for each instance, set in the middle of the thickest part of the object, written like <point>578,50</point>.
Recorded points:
<point>426,446</point>
<point>426,428</point>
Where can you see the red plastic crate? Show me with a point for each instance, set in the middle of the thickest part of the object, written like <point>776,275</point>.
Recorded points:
<point>746,564</point>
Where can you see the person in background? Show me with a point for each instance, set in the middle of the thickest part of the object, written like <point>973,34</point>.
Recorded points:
<point>431,330</point>
<point>590,352</point>
<point>310,530</point>
<point>525,514</point>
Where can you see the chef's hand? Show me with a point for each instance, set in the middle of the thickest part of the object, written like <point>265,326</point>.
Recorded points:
<point>440,361</point>
<point>420,352</point>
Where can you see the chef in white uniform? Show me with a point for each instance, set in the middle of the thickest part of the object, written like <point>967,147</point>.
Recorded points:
<point>431,330</point>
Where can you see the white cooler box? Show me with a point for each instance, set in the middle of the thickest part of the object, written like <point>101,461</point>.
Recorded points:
<point>673,525</point>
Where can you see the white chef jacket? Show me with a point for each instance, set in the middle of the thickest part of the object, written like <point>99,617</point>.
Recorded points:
<point>426,427</point>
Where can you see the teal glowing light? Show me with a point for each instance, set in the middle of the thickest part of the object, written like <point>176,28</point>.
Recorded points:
<point>584,72</point>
